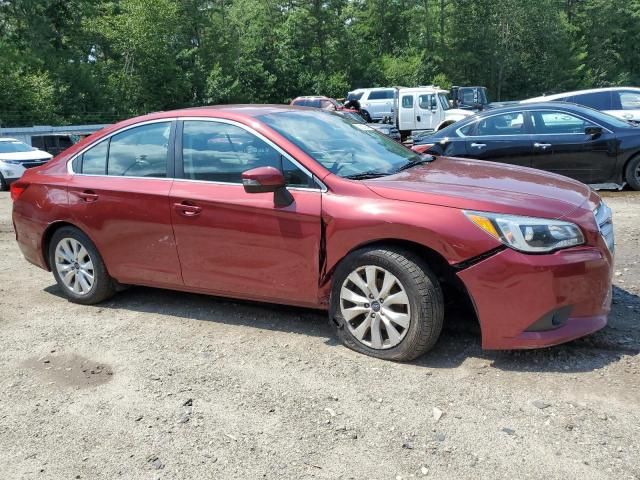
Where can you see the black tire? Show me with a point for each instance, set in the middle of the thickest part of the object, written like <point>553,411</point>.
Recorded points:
<point>425,300</point>
<point>632,173</point>
<point>3,184</point>
<point>103,286</point>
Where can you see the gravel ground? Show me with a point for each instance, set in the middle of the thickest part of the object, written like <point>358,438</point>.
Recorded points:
<point>158,384</point>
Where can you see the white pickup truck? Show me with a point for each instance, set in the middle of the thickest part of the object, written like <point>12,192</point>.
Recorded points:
<point>420,109</point>
<point>416,109</point>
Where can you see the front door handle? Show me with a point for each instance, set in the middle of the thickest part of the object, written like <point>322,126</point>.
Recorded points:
<point>187,210</point>
<point>88,196</point>
<point>542,145</point>
<point>478,145</point>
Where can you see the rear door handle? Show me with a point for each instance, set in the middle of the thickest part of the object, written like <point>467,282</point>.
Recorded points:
<point>187,210</point>
<point>478,145</point>
<point>542,145</point>
<point>88,196</point>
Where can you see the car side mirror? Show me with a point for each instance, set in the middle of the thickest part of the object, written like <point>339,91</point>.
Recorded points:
<point>267,179</point>
<point>593,131</point>
<point>262,180</point>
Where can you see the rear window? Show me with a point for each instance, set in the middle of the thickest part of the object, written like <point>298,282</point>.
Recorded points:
<point>407,101</point>
<point>355,96</point>
<point>381,95</point>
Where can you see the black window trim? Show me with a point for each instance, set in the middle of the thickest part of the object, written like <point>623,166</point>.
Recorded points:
<point>528,123</point>
<point>107,138</point>
<point>179,172</point>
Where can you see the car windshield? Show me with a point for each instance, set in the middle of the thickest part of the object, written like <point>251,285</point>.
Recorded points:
<point>344,147</point>
<point>14,146</point>
<point>352,116</point>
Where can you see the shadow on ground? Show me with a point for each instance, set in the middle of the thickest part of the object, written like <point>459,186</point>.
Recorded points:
<point>459,342</point>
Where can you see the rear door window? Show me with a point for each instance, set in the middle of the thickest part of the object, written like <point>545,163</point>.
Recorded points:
<point>506,124</point>
<point>140,151</point>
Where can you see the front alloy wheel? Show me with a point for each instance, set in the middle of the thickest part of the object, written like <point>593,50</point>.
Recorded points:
<point>386,303</point>
<point>375,307</point>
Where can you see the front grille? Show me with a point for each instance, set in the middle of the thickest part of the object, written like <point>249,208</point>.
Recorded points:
<point>32,164</point>
<point>28,163</point>
<point>605,224</point>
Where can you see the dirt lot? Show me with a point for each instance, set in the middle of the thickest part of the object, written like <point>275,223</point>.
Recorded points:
<point>158,384</point>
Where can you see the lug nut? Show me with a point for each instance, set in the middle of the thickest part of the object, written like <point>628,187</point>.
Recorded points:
<point>366,305</point>
<point>373,315</point>
<point>370,295</point>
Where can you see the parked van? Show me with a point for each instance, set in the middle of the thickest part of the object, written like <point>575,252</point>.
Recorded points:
<point>424,109</point>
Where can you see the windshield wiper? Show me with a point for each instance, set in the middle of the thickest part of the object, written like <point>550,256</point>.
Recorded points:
<point>366,175</point>
<point>413,163</point>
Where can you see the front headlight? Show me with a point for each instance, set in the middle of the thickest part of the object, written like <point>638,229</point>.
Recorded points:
<point>528,234</point>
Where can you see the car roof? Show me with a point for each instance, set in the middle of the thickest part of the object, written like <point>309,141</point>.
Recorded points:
<point>238,113</point>
<point>534,106</point>
<point>555,96</point>
<point>426,88</point>
<point>220,111</point>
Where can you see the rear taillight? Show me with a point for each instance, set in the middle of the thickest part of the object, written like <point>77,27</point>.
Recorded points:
<point>17,188</point>
<point>422,148</point>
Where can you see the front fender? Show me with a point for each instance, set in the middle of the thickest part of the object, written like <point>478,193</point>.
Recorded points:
<point>349,225</point>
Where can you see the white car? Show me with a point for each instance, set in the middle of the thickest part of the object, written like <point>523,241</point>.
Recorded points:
<point>621,102</point>
<point>378,102</point>
<point>16,157</point>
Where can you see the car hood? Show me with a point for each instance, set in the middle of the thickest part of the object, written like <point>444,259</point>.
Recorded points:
<point>484,186</point>
<point>25,156</point>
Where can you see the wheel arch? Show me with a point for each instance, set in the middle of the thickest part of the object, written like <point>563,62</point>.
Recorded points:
<point>451,284</point>
<point>48,233</point>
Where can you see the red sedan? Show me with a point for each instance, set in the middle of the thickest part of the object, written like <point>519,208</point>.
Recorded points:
<point>286,205</point>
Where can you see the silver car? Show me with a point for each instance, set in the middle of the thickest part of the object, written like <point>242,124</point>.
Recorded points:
<point>621,102</point>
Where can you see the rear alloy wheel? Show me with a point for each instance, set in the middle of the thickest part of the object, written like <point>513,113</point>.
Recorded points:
<point>387,304</point>
<point>78,267</point>
<point>632,173</point>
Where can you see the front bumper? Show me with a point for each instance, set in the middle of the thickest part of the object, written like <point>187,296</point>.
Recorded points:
<point>532,301</point>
